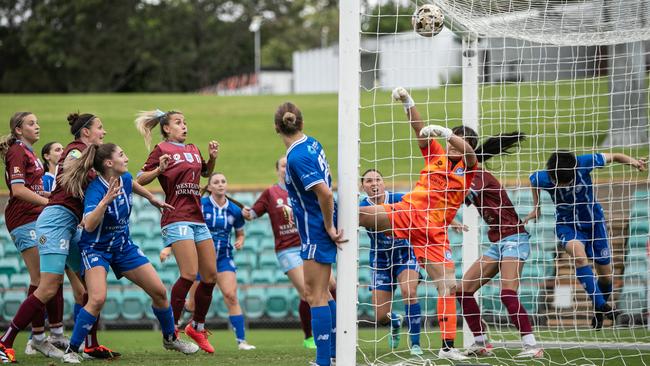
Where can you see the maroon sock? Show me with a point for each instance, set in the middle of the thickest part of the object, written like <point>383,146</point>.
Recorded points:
<point>55,308</point>
<point>91,340</point>
<point>471,312</point>
<point>29,311</point>
<point>305,317</point>
<point>179,293</point>
<point>518,314</point>
<point>38,321</point>
<point>202,301</point>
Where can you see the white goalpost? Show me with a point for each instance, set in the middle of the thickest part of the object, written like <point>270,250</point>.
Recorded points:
<point>570,75</point>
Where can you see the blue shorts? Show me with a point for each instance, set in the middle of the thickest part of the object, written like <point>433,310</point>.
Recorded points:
<point>322,253</point>
<point>57,233</point>
<point>594,238</point>
<point>130,257</point>
<point>24,237</point>
<point>289,259</point>
<point>184,230</point>
<point>225,262</point>
<point>513,246</point>
<point>386,271</point>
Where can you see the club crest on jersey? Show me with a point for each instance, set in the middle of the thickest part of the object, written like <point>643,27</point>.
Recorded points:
<point>604,253</point>
<point>279,202</point>
<point>42,240</point>
<point>448,254</point>
<point>460,171</point>
<point>177,157</point>
<point>231,220</point>
<point>189,157</point>
<point>163,232</point>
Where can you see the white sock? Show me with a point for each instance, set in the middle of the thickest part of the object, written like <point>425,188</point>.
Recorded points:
<point>198,326</point>
<point>58,331</point>
<point>529,340</point>
<point>38,337</point>
<point>480,339</point>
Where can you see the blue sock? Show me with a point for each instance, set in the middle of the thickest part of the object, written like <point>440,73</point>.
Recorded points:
<point>413,317</point>
<point>82,325</point>
<point>605,289</point>
<point>237,322</point>
<point>321,325</point>
<point>166,320</point>
<point>394,321</point>
<point>586,277</point>
<point>75,310</point>
<point>332,305</point>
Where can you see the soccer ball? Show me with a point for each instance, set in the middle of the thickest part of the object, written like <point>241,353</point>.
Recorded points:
<point>428,20</point>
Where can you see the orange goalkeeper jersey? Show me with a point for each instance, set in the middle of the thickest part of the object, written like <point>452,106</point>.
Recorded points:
<point>442,186</point>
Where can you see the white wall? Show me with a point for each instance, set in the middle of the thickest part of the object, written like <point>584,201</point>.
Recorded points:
<point>316,70</point>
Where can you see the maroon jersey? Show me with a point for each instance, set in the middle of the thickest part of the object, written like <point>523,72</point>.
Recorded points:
<point>60,196</point>
<point>275,201</point>
<point>494,205</point>
<point>22,167</point>
<point>180,181</point>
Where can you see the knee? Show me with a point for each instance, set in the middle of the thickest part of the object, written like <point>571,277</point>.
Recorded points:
<point>409,292</point>
<point>580,261</point>
<point>96,302</point>
<point>446,287</point>
<point>230,298</point>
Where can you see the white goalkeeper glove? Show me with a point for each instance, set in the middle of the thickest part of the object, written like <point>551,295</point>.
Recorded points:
<point>436,131</point>
<point>401,95</point>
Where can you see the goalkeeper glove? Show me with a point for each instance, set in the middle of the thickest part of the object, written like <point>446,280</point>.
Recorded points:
<point>435,131</point>
<point>400,94</point>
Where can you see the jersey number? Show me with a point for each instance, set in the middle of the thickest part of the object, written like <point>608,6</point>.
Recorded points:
<point>182,230</point>
<point>324,167</point>
<point>64,244</point>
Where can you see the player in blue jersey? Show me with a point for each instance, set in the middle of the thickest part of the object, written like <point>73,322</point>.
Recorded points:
<point>51,154</point>
<point>580,219</point>
<point>106,241</point>
<point>310,193</point>
<point>223,215</point>
<point>392,262</point>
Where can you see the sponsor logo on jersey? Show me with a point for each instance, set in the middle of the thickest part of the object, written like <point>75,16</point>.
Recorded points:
<point>323,337</point>
<point>16,170</point>
<point>460,171</point>
<point>448,254</point>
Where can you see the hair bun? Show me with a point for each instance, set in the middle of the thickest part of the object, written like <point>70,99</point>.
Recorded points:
<point>72,117</point>
<point>289,118</point>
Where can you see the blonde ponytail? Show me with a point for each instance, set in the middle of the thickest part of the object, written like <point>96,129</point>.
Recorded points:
<point>145,121</point>
<point>75,172</point>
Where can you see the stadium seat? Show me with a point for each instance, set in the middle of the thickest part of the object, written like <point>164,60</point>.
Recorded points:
<point>365,277</point>
<point>268,260</point>
<point>221,310</point>
<point>637,241</point>
<point>365,303</point>
<point>639,227</point>
<point>278,302</point>
<point>636,271</point>
<point>491,299</point>
<point>246,198</point>
<point>114,282</point>
<point>254,302</point>
<point>364,256</point>
<point>168,278</point>
<point>12,300</point>
<point>633,299</point>
<point>4,282</point>
<point>294,303</point>
<point>266,244</point>
<point>243,276</point>
<point>112,307</point>
<point>10,251</point>
<point>529,297</point>
<point>68,303</point>
<point>19,281</point>
<point>150,216</point>
<point>281,278</point>
<point>9,266</point>
<point>250,246</point>
<point>262,276</point>
<point>134,303</point>
<point>246,261</point>
<point>428,299</point>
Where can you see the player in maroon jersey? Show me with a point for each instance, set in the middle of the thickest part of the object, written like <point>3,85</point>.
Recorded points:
<point>507,254</point>
<point>179,167</point>
<point>275,201</point>
<point>56,228</point>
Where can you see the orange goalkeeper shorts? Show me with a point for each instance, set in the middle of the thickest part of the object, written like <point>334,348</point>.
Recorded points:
<point>428,239</point>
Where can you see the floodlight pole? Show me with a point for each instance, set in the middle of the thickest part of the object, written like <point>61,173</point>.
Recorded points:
<point>255,26</point>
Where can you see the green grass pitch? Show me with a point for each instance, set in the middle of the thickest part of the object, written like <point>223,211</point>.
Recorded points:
<point>284,348</point>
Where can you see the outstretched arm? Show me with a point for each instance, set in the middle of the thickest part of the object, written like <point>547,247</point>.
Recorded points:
<point>640,164</point>
<point>400,94</point>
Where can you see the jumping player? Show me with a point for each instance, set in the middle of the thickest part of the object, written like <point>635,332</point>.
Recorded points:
<point>179,167</point>
<point>309,186</point>
<point>393,262</point>
<point>580,219</point>
<point>106,242</point>
<point>507,254</point>
<point>423,214</point>
<point>56,228</point>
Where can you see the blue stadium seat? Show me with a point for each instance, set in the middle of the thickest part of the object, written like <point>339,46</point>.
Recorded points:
<point>639,227</point>
<point>68,303</point>
<point>637,241</point>
<point>246,198</point>
<point>9,266</point>
<point>243,276</point>
<point>262,276</point>
<point>254,303</point>
<point>168,278</point>
<point>428,299</point>
<point>10,251</point>
<point>12,300</point>
<point>633,299</point>
<point>134,303</point>
<point>112,307</point>
<point>19,281</point>
<point>268,260</point>
<point>278,302</point>
<point>294,303</point>
<point>246,261</point>
<point>365,303</point>
<point>266,244</point>
<point>150,216</point>
<point>4,282</point>
<point>281,278</point>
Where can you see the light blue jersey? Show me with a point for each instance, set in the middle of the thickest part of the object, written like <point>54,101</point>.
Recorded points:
<point>574,204</point>
<point>307,166</point>
<point>113,232</point>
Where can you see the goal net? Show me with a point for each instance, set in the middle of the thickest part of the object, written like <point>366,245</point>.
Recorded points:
<point>570,75</point>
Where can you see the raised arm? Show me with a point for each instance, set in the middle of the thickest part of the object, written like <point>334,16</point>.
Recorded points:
<point>213,151</point>
<point>400,94</point>
<point>147,176</point>
<point>93,218</point>
<point>640,164</point>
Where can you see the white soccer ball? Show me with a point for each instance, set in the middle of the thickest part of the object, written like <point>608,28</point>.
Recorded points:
<point>428,20</point>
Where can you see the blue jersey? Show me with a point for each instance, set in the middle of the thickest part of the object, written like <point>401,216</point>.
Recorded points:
<point>112,234</point>
<point>307,166</point>
<point>48,182</point>
<point>221,221</point>
<point>380,241</point>
<point>574,204</point>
